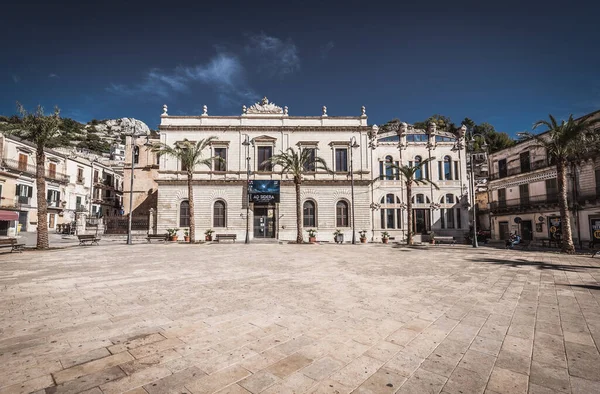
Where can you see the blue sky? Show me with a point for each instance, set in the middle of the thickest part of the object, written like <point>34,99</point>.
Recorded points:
<point>506,63</point>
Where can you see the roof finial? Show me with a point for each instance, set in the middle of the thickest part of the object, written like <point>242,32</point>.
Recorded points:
<point>363,111</point>
<point>204,110</point>
<point>324,111</point>
<point>165,110</point>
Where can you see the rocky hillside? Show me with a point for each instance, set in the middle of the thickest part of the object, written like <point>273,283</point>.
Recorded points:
<point>97,135</point>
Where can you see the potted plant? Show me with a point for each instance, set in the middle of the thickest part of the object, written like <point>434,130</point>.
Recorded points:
<point>208,235</point>
<point>385,236</point>
<point>432,237</point>
<point>186,235</point>
<point>363,236</point>
<point>338,236</point>
<point>172,233</point>
<point>312,235</point>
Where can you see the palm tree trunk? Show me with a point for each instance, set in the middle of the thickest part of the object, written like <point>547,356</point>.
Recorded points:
<point>42,204</point>
<point>190,175</point>
<point>565,216</point>
<point>409,213</point>
<point>299,237</point>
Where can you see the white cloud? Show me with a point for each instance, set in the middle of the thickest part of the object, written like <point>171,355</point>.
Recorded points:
<point>277,56</point>
<point>16,78</point>
<point>52,75</point>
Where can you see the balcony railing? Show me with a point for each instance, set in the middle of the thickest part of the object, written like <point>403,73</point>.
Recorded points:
<point>524,203</point>
<point>31,169</point>
<point>23,200</point>
<point>535,165</point>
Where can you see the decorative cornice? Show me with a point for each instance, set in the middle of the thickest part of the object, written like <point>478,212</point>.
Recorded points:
<point>242,182</point>
<point>530,178</point>
<point>264,107</point>
<point>266,129</point>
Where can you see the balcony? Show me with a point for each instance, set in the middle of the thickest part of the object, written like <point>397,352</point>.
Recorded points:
<point>56,204</point>
<point>80,180</point>
<point>535,165</point>
<point>31,170</point>
<point>23,200</point>
<point>525,204</point>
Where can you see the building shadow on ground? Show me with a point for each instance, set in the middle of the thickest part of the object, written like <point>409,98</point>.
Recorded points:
<point>538,264</point>
<point>589,287</point>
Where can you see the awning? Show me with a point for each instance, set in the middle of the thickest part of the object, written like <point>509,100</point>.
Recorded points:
<point>9,215</point>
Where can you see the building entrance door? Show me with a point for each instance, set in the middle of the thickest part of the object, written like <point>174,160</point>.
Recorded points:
<point>527,230</point>
<point>421,221</point>
<point>503,230</point>
<point>23,220</point>
<point>264,222</point>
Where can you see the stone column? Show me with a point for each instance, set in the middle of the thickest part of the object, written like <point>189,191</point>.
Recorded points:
<point>81,221</point>
<point>152,221</point>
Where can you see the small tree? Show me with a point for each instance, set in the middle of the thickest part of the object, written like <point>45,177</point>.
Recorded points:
<point>296,164</point>
<point>565,143</point>
<point>409,174</point>
<point>43,131</point>
<point>189,154</point>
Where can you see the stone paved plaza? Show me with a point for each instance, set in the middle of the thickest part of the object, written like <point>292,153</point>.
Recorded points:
<point>237,318</point>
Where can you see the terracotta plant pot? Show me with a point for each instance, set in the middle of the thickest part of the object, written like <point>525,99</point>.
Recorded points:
<point>208,238</point>
<point>312,240</point>
<point>173,238</point>
<point>186,239</point>
<point>363,240</point>
<point>385,240</point>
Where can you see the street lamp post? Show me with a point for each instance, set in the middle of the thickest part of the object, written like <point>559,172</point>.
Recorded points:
<point>246,143</point>
<point>353,144</point>
<point>471,147</point>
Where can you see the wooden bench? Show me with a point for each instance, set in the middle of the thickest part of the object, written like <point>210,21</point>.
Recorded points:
<point>224,237</point>
<point>158,237</point>
<point>444,239</point>
<point>12,244</point>
<point>85,238</point>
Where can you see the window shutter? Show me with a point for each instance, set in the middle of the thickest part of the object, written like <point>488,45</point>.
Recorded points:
<point>29,191</point>
<point>17,190</point>
<point>49,196</point>
<point>440,171</point>
<point>57,196</point>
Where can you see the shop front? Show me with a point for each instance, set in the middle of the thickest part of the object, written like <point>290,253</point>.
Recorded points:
<point>264,198</point>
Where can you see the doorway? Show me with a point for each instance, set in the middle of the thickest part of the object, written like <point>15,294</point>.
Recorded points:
<point>264,222</point>
<point>421,221</point>
<point>51,220</point>
<point>23,220</point>
<point>527,230</point>
<point>503,230</point>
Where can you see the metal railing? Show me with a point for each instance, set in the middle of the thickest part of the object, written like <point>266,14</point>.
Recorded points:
<point>524,203</point>
<point>535,165</point>
<point>31,169</point>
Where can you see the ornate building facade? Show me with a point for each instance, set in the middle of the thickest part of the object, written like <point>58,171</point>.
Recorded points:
<point>362,183</point>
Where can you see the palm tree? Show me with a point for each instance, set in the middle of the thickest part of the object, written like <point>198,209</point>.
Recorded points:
<point>297,163</point>
<point>564,144</point>
<point>42,130</point>
<point>409,174</point>
<point>189,154</point>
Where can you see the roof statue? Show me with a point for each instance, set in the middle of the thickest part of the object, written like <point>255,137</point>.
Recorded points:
<point>264,107</point>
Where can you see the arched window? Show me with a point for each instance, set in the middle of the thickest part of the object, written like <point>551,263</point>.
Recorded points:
<point>449,199</point>
<point>184,214</point>
<point>447,168</point>
<point>391,212</point>
<point>219,214</point>
<point>341,214</point>
<point>136,154</point>
<point>309,214</point>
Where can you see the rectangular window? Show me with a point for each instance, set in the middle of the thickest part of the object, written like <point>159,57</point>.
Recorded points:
<point>51,220</point>
<point>502,197</point>
<point>390,218</point>
<point>52,170</point>
<point>381,172</point>
<point>524,194</point>
<point>382,213</point>
<point>502,169</point>
<point>398,218</point>
<point>221,164</point>
<point>264,154</point>
<point>79,175</point>
<point>22,162</point>
<point>456,170</point>
<point>440,171</point>
<point>525,162</point>
<point>597,174</point>
<point>309,166</point>
<point>53,198</point>
<point>552,189</point>
<point>95,176</point>
<point>341,160</point>
<point>449,218</point>
<point>78,203</point>
<point>458,220</point>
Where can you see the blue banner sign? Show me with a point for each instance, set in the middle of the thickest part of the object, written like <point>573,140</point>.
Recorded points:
<point>263,191</point>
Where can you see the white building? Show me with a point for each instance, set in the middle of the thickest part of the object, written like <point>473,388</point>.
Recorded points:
<point>220,192</point>
<point>117,152</point>
<point>523,194</point>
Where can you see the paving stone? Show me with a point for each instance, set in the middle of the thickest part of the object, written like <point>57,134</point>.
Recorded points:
<point>135,342</point>
<point>95,354</point>
<point>135,380</point>
<point>28,386</point>
<point>233,389</point>
<point>290,364</point>
<point>91,367</point>
<point>330,387</point>
<point>87,382</point>
<point>503,380</point>
<point>384,381</point>
<point>422,382</point>
<point>216,381</point>
<point>478,362</point>
<point>486,345</point>
<point>404,363</point>
<point>584,386</point>
<point>155,347</point>
<point>322,368</point>
<point>134,366</point>
<point>583,361</point>
<point>383,350</point>
<point>515,362</point>
<point>357,371</point>
<point>259,381</point>
<point>550,376</point>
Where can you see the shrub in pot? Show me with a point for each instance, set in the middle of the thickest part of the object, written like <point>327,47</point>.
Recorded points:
<point>186,235</point>
<point>432,237</point>
<point>385,236</point>
<point>208,235</point>
<point>172,232</point>
<point>363,236</point>
<point>312,235</point>
<point>338,236</point>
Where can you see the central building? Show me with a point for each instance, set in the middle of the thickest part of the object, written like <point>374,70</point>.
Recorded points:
<point>241,189</point>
